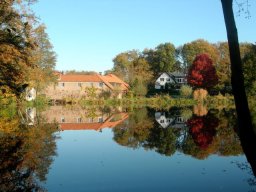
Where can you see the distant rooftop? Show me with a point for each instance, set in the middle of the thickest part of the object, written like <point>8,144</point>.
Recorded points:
<point>176,74</point>
<point>107,79</point>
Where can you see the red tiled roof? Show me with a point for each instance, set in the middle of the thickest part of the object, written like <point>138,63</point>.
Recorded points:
<point>113,78</point>
<point>110,78</point>
<point>107,79</point>
<point>79,78</point>
<point>80,126</point>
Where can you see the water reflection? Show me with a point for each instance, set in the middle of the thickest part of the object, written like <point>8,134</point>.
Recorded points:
<point>28,137</point>
<point>178,130</point>
<point>29,117</point>
<point>77,118</point>
<point>165,119</point>
<point>27,149</point>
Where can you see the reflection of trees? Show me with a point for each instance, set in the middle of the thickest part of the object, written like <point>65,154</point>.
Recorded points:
<point>161,140</point>
<point>205,135</point>
<point>212,134</point>
<point>140,130</point>
<point>134,131</point>
<point>189,147</point>
<point>26,153</point>
<point>229,143</point>
<point>202,129</point>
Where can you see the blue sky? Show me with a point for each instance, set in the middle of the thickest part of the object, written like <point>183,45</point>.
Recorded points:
<point>88,34</point>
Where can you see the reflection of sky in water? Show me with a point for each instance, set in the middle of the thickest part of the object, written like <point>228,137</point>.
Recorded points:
<point>93,161</point>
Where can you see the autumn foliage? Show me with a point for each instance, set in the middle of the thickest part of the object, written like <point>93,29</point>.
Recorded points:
<point>203,130</point>
<point>202,73</point>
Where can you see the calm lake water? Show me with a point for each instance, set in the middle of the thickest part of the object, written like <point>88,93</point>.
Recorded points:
<point>65,148</point>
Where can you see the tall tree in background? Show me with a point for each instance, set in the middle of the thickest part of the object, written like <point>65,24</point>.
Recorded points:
<point>249,68</point>
<point>134,69</point>
<point>162,58</point>
<point>141,76</point>
<point>247,135</point>
<point>123,65</point>
<point>190,50</point>
<point>223,65</point>
<point>42,75</point>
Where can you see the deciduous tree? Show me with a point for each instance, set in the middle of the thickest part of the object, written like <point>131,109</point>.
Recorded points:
<point>162,58</point>
<point>16,45</point>
<point>134,69</point>
<point>190,50</point>
<point>26,55</point>
<point>249,66</point>
<point>45,58</point>
<point>202,73</point>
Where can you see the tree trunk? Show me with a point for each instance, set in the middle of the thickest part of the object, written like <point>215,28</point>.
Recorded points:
<point>237,80</point>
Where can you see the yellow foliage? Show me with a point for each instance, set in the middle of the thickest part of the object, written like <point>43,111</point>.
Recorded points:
<point>200,109</point>
<point>9,126</point>
<point>200,94</point>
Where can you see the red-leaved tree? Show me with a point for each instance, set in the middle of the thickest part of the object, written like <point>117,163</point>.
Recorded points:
<point>202,73</point>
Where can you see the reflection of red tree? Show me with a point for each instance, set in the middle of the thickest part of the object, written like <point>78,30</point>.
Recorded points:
<point>202,130</point>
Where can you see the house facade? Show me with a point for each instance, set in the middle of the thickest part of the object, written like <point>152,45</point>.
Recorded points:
<point>176,79</point>
<point>30,94</point>
<point>78,86</point>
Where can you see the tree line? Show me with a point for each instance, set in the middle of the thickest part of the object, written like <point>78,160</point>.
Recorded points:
<point>141,69</point>
<point>27,58</point>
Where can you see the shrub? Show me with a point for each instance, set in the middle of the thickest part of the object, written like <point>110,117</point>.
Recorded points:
<point>186,91</point>
<point>200,94</point>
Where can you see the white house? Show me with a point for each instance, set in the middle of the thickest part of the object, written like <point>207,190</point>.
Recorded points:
<point>175,78</point>
<point>166,121</point>
<point>30,94</point>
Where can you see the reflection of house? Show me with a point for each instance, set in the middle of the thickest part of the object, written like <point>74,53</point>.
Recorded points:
<point>176,79</point>
<point>76,86</point>
<point>30,116</point>
<point>79,119</point>
<point>166,121</point>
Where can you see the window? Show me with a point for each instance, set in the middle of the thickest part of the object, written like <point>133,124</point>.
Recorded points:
<point>162,121</point>
<point>62,84</point>
<point>100,120</point>
<point>91,84</point>
<point>179,80</point>
<point>179,119</point>
<point>90,120</point>
<point>62,119</point>
<point>79,120</point>
<point>100,84</point>
<point>80,84</point>
<point>161,79</point>
<point>168,79</point>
